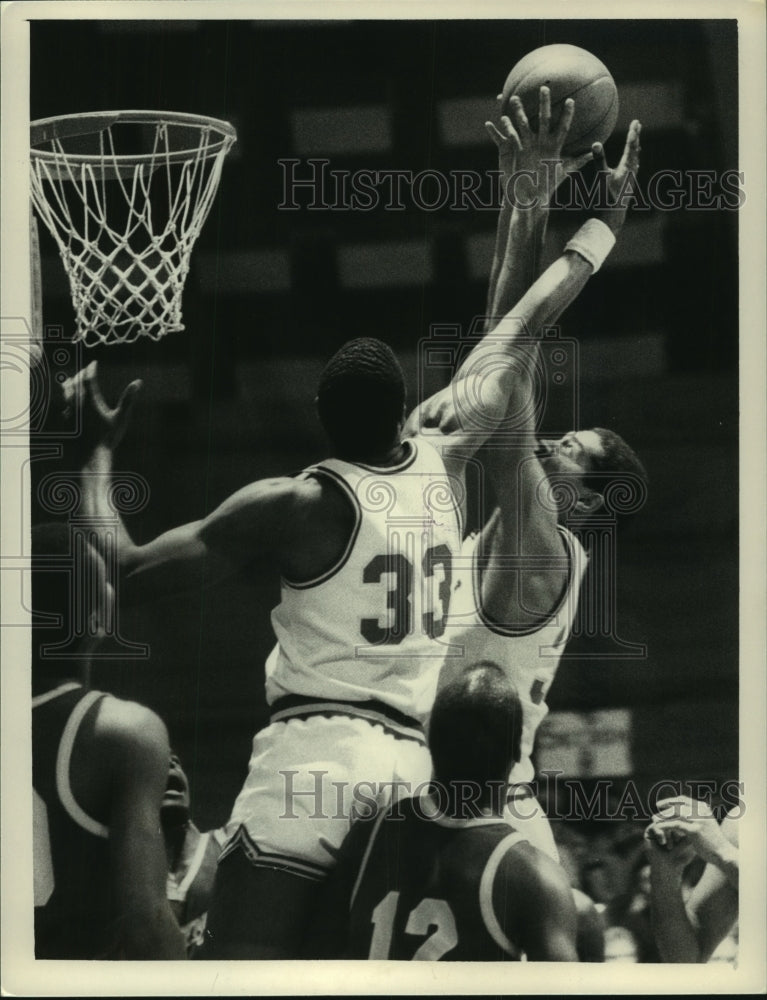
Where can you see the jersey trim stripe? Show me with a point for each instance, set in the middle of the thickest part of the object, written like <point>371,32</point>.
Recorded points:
<point>394,722</point>
<point>63,759</point>
<point>41,699</point>
<point>390,469</point>
<point>266,859</point>
<point>520,630</point>
<point>319,471</point>
<point>199,853</point>
<point>366,856</point>
<point>486,884</point>
<point>454,823</point>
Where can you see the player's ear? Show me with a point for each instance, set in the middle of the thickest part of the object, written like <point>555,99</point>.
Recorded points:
<point>589,502</point>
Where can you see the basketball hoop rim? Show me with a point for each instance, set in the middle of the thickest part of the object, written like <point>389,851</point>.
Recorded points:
<point>92,122</point>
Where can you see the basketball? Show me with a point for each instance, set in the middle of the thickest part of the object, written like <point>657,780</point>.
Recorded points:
<point>569,72</point>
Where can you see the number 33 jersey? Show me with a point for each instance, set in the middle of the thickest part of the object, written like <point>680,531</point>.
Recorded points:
<point>369,628</point>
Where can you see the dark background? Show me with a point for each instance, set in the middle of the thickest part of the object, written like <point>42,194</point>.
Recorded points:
<point>272,293</point>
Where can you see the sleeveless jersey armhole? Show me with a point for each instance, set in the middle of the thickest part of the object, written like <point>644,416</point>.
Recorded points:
<point>194,866</point>
<point>63,761</point>
<point>486,884</point>
<point>320,472</point>
<point>573,574</point>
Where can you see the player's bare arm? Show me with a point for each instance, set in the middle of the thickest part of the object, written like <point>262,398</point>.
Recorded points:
<point>692,819</point>
<point>508,144</point>
<point>524,525</point>
<point>276,517</point>
<point>132,751</point>
<point>532,167</point>
<point>467,411</point>
<point>690,931</point>
<point>713,903</point>
<point>534,904</point>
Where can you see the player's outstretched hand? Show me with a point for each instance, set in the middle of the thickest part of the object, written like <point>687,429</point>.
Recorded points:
<point>99,423</point>
<point>507,141</point>
<point>540,152</point>
<point>619,180</point>
<point>690,821</point>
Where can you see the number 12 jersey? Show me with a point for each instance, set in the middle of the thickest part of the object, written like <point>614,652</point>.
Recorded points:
<point>414,885</point>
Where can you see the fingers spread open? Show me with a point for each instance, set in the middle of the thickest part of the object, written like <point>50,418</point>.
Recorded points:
<point>598,153</point>
<point>493,132</point>
<point>544,111</point>
<point>518,116</point>
<point>566,120</point>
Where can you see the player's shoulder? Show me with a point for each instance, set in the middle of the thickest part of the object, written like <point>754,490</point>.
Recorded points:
<point>532,875</point>
<point>126,728</point>
<point>307,488</point>
<point>279,488</point>
<point>435,415</point>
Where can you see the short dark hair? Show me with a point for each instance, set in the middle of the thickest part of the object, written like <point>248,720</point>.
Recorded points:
<point>361,398</point>
<point>475,729</point>
<point>618,475</point>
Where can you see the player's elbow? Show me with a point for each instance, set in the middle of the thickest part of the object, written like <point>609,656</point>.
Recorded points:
<point>554,947</point>
<point>481,400</point>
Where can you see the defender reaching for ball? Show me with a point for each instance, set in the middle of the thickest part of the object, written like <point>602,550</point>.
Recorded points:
<point>518,579</point>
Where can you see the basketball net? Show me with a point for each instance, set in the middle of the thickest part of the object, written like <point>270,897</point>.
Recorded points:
<point>125,223</point>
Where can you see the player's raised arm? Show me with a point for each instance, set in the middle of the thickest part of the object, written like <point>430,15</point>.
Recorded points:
<point>467,411</point>
<point>249,523</point>
<point>545,301</point>
<point>508,144</point>
<point>531,167</point>
<point>689,930</point>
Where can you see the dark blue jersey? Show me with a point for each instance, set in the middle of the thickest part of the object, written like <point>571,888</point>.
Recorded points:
<point>426,888</point>
<point>73,896</point>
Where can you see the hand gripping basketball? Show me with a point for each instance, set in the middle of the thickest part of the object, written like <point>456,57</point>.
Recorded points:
<point>537,152</point>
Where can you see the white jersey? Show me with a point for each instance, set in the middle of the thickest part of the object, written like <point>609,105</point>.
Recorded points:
<point>368,629</point>
<point>529,654</point>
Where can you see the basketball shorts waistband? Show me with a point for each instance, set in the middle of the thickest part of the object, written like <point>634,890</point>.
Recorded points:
<point>397,723</point>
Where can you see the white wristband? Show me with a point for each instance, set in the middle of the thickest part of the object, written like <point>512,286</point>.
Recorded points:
<point>593,241</point>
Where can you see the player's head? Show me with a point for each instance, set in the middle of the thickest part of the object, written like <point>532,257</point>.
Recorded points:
<point>71,596</point>
<point>176,803</point>
<point>476,727</point>
<point>361,399</point>
<point>598,465</point>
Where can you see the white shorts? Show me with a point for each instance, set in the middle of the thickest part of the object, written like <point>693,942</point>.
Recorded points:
<point>525,813</point>
<point>308,778</point>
